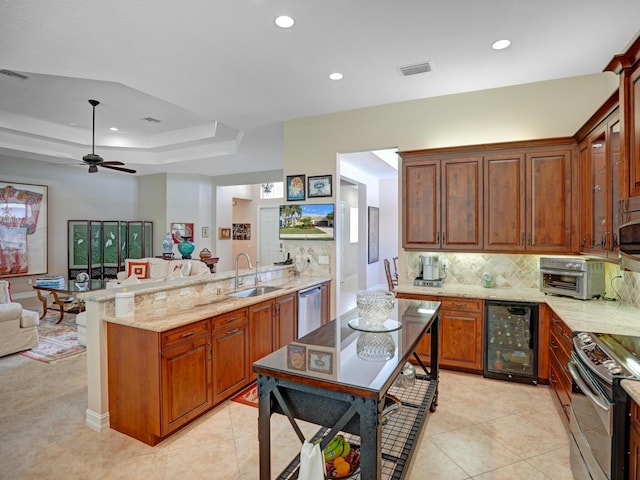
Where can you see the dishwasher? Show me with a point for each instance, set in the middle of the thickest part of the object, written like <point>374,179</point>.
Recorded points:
<point>308,310</point>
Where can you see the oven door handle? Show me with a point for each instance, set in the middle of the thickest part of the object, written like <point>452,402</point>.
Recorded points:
<point>572,273</point>
<point>597,399</point>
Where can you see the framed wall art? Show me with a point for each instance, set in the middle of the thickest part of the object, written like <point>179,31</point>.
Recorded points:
<point>180,231</point>
<point>23,229</point>
<point>319,186</point>
<point>295,188</point>
<point>224,233</point>
<point>374,234</point>
<point>205,232</point>
<point>241,231</point>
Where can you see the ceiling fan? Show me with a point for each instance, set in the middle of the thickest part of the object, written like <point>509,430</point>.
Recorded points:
<point>94,161</point>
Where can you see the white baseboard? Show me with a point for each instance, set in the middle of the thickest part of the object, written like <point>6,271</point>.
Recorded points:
<point>18,296</point>
<point>97,422</point>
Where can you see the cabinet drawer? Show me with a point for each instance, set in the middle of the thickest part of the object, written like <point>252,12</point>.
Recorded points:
<point>230,320</point>
<point>561,384</point>
<point>185,333</point>
<point>635,415</point>
<point>466,304</point>
<point>559,349</point>
<point>563,333</point>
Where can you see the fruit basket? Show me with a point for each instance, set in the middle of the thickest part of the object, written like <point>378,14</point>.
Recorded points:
<point>351,459</point>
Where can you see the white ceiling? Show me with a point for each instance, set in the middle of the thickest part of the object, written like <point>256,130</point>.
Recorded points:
<point>222,78</point>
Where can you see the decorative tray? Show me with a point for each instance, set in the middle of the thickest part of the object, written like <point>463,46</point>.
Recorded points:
<point>364,325</point>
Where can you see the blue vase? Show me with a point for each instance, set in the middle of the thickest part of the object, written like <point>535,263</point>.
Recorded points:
<point>186,248</point>
<point>167,245</point>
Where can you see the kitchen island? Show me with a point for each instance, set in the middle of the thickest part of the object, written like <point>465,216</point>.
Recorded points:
<point>339,377</point>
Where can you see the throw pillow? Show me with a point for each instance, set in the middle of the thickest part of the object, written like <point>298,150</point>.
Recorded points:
<point>139,269</point>
<point>177,273</point>
<point>5,292</point>
<point>185,268</point>
<point>131,280</point>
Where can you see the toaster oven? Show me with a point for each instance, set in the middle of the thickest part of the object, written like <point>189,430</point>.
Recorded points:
<point>577,277</point>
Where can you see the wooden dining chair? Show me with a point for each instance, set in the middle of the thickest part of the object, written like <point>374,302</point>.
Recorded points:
<point>390,281</point>
<point>395,269</point>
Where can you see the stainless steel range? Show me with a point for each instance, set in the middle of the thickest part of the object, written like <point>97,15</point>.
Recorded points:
<point>577,277</point>
<point>599,405</point>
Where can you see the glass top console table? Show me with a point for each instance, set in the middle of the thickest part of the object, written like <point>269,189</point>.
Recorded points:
<point>338,378</point>
<point>64,297</point>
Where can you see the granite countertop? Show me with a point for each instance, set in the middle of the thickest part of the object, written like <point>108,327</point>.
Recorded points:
<point>199,307</point>
<point>579,315</point>
<point>632,387</point>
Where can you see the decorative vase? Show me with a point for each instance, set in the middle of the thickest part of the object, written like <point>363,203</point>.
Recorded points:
<point>186,248</point>
<point>167,246</point>
<point>204,254</point>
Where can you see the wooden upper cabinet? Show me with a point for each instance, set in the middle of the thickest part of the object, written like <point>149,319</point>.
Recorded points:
<point>421,204</point>
<point>442,203</point>
<point>504,214</point>
<point>627,66</point>
<point>462,204</point>
<point>549,201</point>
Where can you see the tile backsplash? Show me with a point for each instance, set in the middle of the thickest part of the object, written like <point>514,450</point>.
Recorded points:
<point>517,271</point>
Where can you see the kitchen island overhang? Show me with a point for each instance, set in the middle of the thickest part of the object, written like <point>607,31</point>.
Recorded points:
<point>347,390</point>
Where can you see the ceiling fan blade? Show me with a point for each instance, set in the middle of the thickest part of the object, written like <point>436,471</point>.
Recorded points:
<point>111,163</point>
<point>120,169</point>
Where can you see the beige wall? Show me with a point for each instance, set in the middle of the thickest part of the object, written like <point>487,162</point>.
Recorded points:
<point>539,110</point>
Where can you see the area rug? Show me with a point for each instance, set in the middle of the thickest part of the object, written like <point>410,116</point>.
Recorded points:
<point>56,341</point>
<point>249,396</point>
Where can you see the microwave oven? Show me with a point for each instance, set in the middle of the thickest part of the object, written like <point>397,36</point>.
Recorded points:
<point>629,247</point>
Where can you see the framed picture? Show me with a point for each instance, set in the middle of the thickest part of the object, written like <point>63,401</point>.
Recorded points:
<point>205,232</point>
<point>241,231</point>
<point>224,233</point>
<point>306,222</point>
<point>297,357</point>
<point>374,234</point>
<point>23,229</point>
<point>320,361</point>
<point>180,231</point>
<point>295,188</point>
<point>319,186</point>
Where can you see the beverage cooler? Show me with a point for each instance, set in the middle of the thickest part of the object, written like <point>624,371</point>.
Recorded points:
<point>511,340</point>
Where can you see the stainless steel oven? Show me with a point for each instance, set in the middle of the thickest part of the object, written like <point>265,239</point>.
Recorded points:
<point>598,417</point>
<point>577,277</point>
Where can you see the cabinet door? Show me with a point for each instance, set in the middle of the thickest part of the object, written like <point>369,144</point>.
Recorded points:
<point>285,325</point>
<point>504,206</point>
<point>421,204</point>
<point>462,204</point>
<point>461,339</point>
<point>325,303</point>
<point>230,360</point>
<point>634,133</point>
<point>186,383</point>
<point>260,330</point>
<point>549,201</point>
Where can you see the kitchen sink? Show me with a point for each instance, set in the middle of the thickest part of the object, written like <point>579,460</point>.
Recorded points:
<point>254,292</point>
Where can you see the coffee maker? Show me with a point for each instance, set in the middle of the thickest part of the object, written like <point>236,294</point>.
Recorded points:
<point>431,272</point>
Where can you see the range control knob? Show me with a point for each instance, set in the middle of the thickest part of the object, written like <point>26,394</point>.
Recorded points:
<point>585,338</point>
<point>615,369</point>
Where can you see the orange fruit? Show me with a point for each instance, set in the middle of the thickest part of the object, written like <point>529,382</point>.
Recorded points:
<point>342,468</point>
<point>338,460</point>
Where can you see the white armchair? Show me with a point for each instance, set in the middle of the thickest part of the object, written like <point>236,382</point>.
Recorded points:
<point>18,327</point>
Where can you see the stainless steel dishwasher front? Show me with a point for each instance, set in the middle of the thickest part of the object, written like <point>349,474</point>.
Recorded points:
<point>308,310</point>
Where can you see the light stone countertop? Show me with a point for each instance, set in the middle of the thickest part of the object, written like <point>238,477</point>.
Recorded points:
<point>579,315</point>
<point>198,307</point>
<point>632,387</point>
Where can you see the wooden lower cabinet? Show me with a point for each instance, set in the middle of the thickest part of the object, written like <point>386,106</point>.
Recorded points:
<point>634,441</point>
<point>461,333</point>
<point>285,320</point>
<point>158,382</point>
<point>231,368</point>
<point>260,330</point>
<point>325,303</point>
<point>560,346</point>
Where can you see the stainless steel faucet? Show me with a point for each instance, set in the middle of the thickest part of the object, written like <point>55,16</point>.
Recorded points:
<point>250,266</point>
<point>257,278</point>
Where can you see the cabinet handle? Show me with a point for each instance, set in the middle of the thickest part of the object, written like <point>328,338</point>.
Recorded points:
<point>614,237</point>
<point>188,334</point>
<point>443,237</point>
<point>529,239</point>
<point>459,304</point>
<point>584,239</point>
<point>522,239</point>
<point>437,238</point>
<point>603,240</point>
<point>232,331</point>
<point>553,345</point>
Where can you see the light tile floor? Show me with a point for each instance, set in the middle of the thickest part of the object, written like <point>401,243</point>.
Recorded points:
<point>483,429</point>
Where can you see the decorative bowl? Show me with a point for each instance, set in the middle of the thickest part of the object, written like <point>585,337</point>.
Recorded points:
<point>375,305</point>
<point>82,277</point>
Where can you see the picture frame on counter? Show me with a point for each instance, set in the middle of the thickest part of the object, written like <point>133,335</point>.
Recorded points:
<point>297,357</point>
<point>295,188</point>
<point>320,186</point>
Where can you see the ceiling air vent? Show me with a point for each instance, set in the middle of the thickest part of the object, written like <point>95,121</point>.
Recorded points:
<point>14,75</point>
<point>415,69</point>
<point>151,120</point>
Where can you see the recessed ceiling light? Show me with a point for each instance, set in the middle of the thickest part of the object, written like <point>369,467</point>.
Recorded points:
<point>336,76</point>
<point>501,44</point>
<point>285,21</point>
<point>113,129</point>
